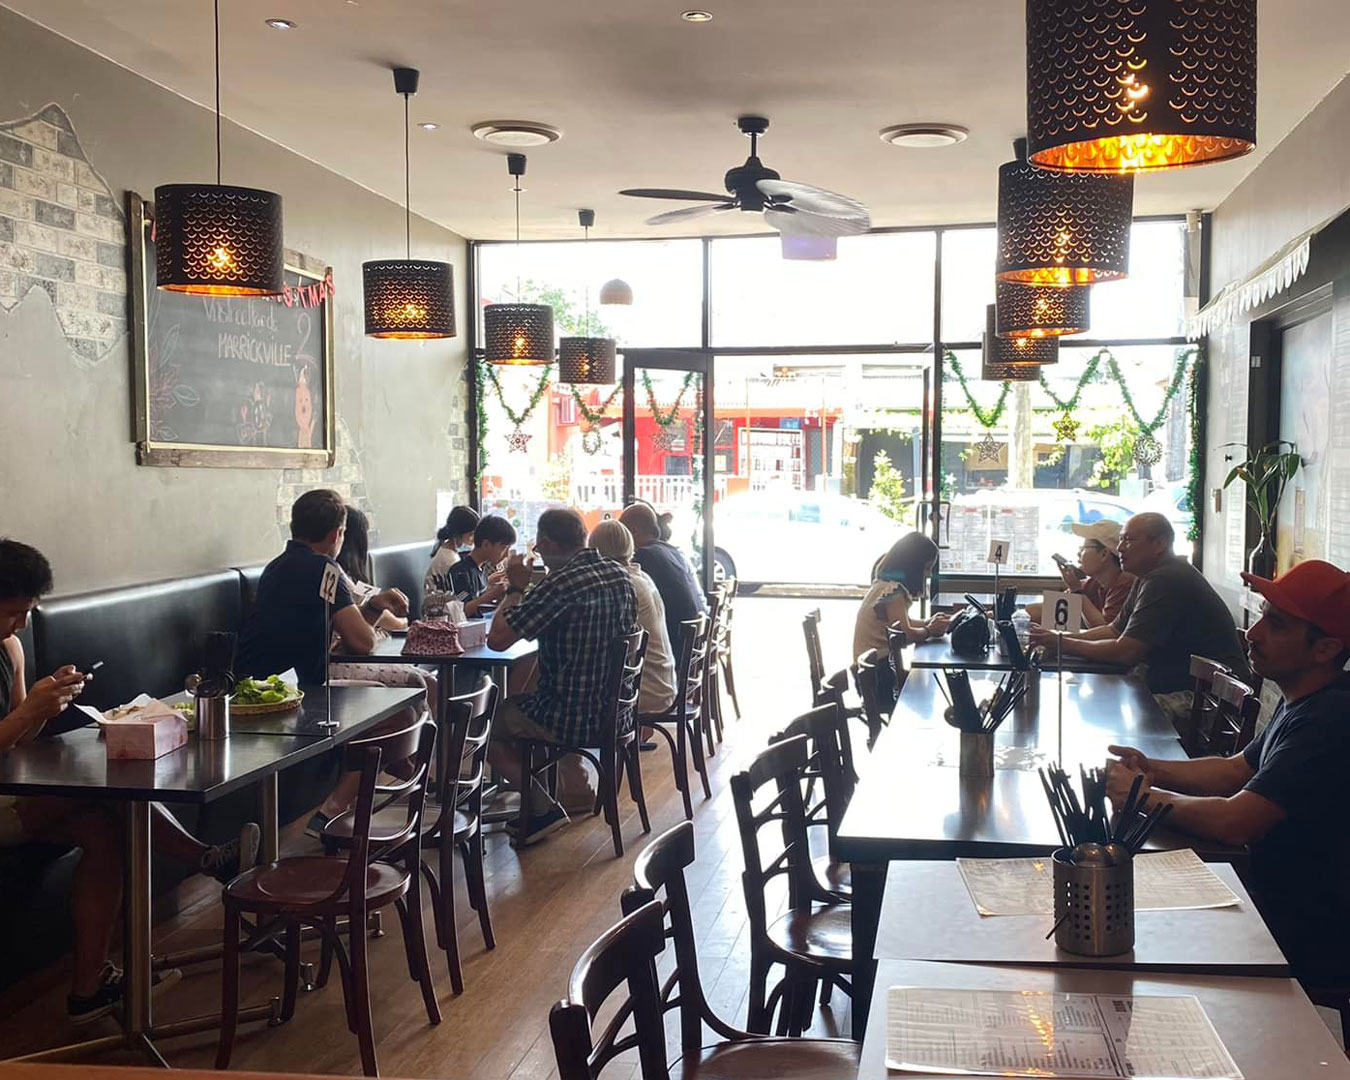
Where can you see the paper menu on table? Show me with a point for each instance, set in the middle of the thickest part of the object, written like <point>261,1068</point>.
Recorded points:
<point>1045,1034</point>
<point>1163,881</point>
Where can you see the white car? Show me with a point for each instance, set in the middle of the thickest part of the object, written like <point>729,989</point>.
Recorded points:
<point>800,537</point>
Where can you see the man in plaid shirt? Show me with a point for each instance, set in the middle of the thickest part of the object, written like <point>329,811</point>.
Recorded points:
<point>576,613</point>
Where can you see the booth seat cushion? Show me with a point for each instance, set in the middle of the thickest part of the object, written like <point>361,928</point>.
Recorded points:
<point>249,576</point>
<point>403,566</point>
<point>148,636</point>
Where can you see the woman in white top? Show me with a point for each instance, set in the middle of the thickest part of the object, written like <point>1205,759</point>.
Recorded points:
<point>613,540</point>
<point>900,579</point>
<point>456,533</point>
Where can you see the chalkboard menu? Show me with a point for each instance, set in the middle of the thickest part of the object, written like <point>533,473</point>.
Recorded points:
<point>231,381</point>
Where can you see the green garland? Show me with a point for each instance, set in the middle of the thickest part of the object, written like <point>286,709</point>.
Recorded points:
<point>519,418</point>
<point>593,416</point>
<point>985,419</point>
<point>480,379</point>
<point>1089,375</point>
<point>1178,376</point>
<point>666,419</point>
<point>1195,479</point>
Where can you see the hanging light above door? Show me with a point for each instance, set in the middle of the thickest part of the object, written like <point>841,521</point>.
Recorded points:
<point>518,334</point>
<point>1036,311</point>
<point>1014,359</point>
<point>1061,229</point>
<point>408,298</point>
<point>1141,86</point>
<point>587,360</point>
<point>216,239</point>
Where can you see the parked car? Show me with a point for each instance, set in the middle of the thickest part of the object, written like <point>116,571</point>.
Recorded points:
<point>800,537</point>
<point>1173,501</point>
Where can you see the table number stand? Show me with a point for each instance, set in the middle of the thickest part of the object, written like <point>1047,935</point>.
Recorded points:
<point>328,591</point>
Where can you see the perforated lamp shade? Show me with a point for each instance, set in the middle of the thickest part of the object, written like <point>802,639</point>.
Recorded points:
<point>1140,86</point>
<point>1015,359</point>
<point>1062,229</point>
<point>518,334</point>
<point>587,361</point>
<point>1034,311</point>
<point>218,240</point>
<point>409,298</point>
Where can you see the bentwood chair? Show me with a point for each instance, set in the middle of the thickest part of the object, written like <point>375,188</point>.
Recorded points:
<point>681,724</point>
<point>660,868</point>
<point>1235,722</point>
<point>712,697</point>
<point>722,642</point>
<point>1204,706</point>
<point>617,748</point>
<point>812,940</point>
<point>824,689</point>
<point>317,891</point>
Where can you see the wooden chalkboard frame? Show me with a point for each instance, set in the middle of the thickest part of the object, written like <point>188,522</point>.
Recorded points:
<point>150,452</point>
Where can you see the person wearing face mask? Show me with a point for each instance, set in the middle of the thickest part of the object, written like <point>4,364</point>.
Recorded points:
<point>1282,794</point>
<point>576,613</point>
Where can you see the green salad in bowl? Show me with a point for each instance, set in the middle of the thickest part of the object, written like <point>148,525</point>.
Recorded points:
<point>269,691</point>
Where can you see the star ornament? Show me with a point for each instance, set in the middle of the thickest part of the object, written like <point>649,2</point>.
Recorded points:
<point>518,441</point>
<point>988,448</point>
<point>1066,428</point>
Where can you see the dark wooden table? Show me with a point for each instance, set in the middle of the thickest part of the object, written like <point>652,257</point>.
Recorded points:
<point>480,658</point>
<point>927,914</point>
<point>1268,1025</point>
<point>907,807</point>
<point>937,653</point>
<point>75,765</point>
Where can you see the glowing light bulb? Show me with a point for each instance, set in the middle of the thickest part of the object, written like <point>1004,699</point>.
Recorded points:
<point>222,259</point>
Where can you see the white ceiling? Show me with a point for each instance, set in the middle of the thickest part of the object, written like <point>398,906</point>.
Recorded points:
<point>645,99</point>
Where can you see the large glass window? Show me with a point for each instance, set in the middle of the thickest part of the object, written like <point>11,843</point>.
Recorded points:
<point>879,291</point>
<point>968,257</point>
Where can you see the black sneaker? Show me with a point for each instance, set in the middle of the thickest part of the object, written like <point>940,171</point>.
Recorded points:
<point>227,861</point>
<point>314,827</point>
<point>539,827</point>
<point>108,996</point>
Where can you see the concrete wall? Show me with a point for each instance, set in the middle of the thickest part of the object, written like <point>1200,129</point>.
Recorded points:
<point>69,481</point>
<point>1302,183</point>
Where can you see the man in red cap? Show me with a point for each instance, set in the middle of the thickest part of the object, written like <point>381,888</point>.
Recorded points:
<point>1283,795</point>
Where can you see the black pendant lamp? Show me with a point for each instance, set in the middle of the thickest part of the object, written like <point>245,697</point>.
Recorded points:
<point>1014,359</point>
<point>1035,311</point>
<point>1061,229</point>
<point>408,298</point>
<point>215,239</point>
<point>518,334</point>
<point>587,360</point>
<point>1141,86</point>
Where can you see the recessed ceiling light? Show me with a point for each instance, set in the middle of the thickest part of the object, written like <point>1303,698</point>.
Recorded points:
<point>696,15</point>
<point>514,133</point>
<point>282,24</point>
<point>924,136</point>
<point>427,125</point>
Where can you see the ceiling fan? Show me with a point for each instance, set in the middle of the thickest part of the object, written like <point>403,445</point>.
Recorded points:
<point>789,207</point>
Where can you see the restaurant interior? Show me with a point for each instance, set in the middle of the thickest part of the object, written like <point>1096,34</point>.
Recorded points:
<point>1025,288</point>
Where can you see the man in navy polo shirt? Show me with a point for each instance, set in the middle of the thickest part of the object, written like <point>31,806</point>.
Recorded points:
<point>666,565</point>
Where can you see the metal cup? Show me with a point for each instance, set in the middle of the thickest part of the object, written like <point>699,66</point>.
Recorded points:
<point>1094,906</point>
<point>213,716</point>
<point>977,753</point>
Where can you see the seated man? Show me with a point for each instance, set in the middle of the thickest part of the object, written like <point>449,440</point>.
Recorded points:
<point>577,612</point>
<point>666,565</point>
<point>1172,614</point>
<point>1282,795</point>
<point>492,540</point>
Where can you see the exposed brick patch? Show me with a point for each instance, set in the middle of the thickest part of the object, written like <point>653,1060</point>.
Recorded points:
<point>62,231</point>
<point>346,477</point>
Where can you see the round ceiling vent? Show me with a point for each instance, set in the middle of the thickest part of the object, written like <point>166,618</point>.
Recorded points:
<point>924,136</point>
<point>514,133</point>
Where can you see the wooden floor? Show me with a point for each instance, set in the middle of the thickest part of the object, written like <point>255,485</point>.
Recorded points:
<point>548,903</point>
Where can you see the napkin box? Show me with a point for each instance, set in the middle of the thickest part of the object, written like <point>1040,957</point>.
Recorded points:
<point>472,633</point>
<point>150,733</point>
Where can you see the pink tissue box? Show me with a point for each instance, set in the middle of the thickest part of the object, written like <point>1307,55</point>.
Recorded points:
<point>146,737</point>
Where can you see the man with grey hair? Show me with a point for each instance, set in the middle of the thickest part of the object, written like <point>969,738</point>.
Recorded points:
<point>666,565</point>
<point>1172,614</point>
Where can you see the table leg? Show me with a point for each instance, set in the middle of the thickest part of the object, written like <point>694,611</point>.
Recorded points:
<point>269,823</point>
<point>136,957</point>
<point>869,883</point>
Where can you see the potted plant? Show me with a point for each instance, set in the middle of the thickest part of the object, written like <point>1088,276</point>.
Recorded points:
<point>1266,473</point>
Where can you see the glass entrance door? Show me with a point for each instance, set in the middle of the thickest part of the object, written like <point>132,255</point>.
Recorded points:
<point>667,456</point>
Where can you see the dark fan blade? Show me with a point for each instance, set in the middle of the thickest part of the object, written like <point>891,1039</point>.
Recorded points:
<point>671,193</point>
<point>816,200</point>
<point>800,223</point>
<point>688,213</point>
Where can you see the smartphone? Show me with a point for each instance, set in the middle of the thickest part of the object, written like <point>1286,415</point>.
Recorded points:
<point>1062,562</point>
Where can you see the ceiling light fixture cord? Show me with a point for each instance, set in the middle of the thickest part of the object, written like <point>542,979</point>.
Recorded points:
<point>217,9</point>
<point>517,191</point>
<point>407,182</point>
<point>586,229</point>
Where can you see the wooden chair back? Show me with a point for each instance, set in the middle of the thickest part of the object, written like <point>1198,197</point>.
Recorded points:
<point>897,646</point>
<point>463,756</point>
<point>829,759</point>
<point>691,665</point>
<point>1238,707</point>
<point>624,955</point>
<point>415,744</point>
<point>866,678</point>
<point>815,661</point>
<point>778,769</point>
<point>627,654</point>
<point>660,868</point>
<point>1204,706</point>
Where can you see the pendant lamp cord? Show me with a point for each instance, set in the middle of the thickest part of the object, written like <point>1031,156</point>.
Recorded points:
<point>407,182</point>
<point>586,243</point>
<point>517,191</point>
<point>217,7</point>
